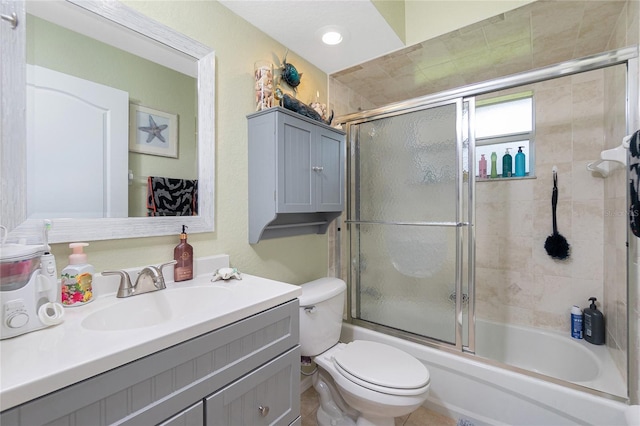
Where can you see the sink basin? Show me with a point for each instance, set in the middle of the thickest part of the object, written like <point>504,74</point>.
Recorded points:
<point>151,309</point>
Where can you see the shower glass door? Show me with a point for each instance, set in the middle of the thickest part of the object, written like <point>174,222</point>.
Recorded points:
<point>406,221</point>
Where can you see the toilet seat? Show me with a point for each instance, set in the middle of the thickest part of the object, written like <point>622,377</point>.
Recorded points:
<point>382,368</point>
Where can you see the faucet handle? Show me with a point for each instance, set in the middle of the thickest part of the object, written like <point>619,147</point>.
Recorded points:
<point>160,282</point>
<point>173,262</point>
<point>125,282</point>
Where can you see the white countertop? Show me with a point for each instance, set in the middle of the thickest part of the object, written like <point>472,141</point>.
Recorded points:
<point>40,362</point>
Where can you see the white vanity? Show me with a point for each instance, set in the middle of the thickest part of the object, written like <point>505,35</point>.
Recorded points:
<point>215,353</point>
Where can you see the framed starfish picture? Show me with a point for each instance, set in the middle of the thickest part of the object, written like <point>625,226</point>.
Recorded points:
<point>153,132</point>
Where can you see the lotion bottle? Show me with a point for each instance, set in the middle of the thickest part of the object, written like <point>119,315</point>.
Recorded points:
<point>483,167</point>
<point>76,278</point>
<point>183,255</point>
<point>520,168</point>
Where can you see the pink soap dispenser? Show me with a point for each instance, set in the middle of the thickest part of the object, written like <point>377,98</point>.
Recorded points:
<point>77,277</point>
<point>483,167</point>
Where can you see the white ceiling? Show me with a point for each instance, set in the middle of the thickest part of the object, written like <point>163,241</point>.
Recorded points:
<point>298,25</point>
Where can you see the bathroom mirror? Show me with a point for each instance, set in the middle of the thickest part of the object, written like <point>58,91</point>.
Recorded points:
<point>120,27</point>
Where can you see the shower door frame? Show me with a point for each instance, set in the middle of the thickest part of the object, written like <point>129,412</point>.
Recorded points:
<point>459,223</point>
<point>627,56</point>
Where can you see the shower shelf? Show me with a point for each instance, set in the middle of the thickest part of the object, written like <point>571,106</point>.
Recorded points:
<point>500,178</point>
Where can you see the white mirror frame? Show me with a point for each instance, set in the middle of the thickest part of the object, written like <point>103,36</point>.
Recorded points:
<point>66,230</point>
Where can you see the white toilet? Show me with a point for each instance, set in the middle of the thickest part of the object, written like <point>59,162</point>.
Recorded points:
<point>376,381</point>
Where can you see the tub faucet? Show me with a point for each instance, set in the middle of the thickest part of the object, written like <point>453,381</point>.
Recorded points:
<point>149,279</point>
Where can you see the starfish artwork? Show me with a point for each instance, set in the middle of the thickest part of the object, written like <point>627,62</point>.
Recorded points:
<point>154,130</point>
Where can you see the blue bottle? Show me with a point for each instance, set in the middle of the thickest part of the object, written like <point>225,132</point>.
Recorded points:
<point>576,322</point>
<point>520,167</point>
<point>507,165</point>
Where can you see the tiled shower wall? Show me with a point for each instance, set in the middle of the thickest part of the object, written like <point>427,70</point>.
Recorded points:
<point>516,281</point>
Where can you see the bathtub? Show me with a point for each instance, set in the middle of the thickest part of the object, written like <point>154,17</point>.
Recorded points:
<point>552,354</point>
<point>463,387</point>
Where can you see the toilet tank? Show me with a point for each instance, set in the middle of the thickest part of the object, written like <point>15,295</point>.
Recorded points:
<point>321,308</point>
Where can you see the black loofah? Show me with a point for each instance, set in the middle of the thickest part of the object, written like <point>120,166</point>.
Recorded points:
<point>556,245</point>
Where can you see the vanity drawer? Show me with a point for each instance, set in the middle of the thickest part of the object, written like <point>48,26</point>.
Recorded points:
<point>154,388</point>
<point>192,416</point>
<point>269,395</point>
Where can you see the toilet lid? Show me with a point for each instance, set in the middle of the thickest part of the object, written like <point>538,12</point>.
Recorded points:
<point>382,365</point>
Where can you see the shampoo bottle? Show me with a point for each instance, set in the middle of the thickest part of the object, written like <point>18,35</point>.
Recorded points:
<point>183,255</point>
<point>494,166</point>
<point>520,162</point>
<point>507,164</point>
<point>593,324</point>
<point>483,167</point>
<point>576,322</point>
<point>76,278</point>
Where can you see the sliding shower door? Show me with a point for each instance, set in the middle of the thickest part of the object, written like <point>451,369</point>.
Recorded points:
<point>406,221</point>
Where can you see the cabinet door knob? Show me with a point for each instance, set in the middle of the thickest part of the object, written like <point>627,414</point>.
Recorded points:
<point>317,168</point>
<point>264,410</point>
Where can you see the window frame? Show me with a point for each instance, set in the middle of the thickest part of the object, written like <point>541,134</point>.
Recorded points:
<point>511,137</point>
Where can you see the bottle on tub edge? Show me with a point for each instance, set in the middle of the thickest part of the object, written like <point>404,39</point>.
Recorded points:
<point>576,322</point>
<point>593,324</point>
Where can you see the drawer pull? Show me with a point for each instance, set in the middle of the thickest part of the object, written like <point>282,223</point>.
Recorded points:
<point>264,411</point>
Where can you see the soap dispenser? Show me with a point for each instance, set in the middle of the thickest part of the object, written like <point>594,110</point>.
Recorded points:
<point>183,255</point>
<point>593,324</point>
<point>76,278</point>
<point>507,164</point>
<point>494,167</point>
<point>483,167</point>
<point>520,167</point>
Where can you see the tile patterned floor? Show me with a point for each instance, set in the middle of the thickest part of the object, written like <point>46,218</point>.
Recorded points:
<point>420,417</point>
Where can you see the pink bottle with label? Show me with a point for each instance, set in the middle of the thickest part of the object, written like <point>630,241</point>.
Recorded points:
<point>483,167</point>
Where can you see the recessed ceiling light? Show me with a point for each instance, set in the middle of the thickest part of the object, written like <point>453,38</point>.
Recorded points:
<point>332,35</point>
<point>332,38</point>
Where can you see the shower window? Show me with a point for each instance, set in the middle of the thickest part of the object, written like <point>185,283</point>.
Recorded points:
<point>503,123</point>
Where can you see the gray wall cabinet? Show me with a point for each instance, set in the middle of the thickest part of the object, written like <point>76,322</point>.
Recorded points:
<point>296,174</point>
<point>246,373</point>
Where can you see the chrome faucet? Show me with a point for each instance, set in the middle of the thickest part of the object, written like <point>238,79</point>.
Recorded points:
<point>149,279</point>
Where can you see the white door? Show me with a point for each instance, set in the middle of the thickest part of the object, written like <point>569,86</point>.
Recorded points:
<point>77,147</point>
